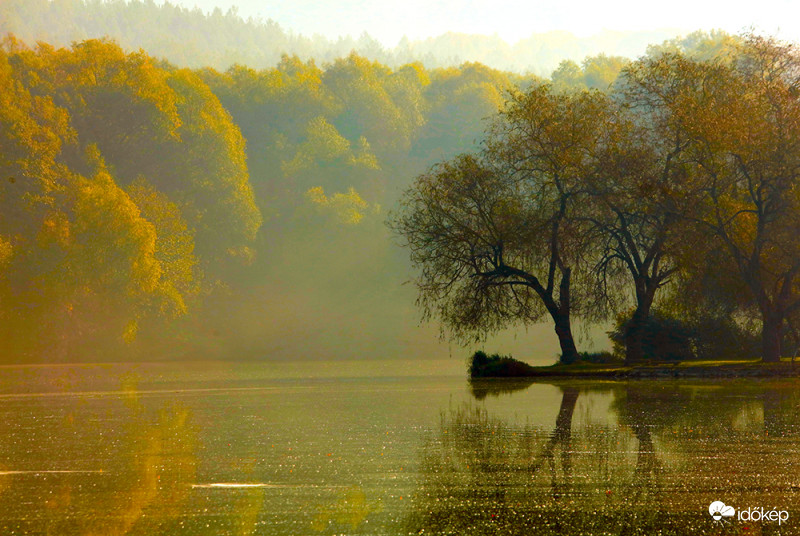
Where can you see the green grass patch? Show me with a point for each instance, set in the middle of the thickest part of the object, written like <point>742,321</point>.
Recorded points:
<point>482,365</point>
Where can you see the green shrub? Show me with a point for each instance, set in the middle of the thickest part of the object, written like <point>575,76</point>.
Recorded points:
<point>667,338</point>
<point>603,358</point>
<point>664,338</point>
<point>723,338</point>
<point>481,365</point>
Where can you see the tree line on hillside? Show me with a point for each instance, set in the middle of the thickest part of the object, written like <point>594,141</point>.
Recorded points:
<point>122,183</point>
<point>153,210</point>
<point>675,194</point>
<point>220,39</point>
<point>144,203</point>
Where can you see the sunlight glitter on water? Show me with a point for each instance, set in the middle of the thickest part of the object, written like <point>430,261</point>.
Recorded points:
<point>391,454</point>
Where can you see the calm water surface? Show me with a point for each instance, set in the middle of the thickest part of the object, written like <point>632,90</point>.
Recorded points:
<point>387,448</point>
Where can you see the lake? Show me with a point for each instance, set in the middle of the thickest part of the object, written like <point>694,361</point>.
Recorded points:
<point>389,447</point>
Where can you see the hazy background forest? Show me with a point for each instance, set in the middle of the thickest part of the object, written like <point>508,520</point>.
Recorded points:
<point>199,185</point>
<point>221,38</point>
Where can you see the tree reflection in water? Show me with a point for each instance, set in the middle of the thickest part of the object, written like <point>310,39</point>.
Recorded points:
<point>621,458</point>
<point>136,482</point>
<point>654,471</point>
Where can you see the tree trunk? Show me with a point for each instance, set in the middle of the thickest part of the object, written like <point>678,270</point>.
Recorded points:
<point>559,311</point>
<point>771,338</point>
<point>569,353</point>
<point>563,431</point>
<point>634,337</point>
<point>562,436</point>
<point>646,462</point>
<point>774,416</point>
<point>635,330</point>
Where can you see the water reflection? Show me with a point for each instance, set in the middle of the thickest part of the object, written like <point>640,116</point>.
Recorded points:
<point>140,452</point>
<point>131,478</point>
<point>670,451</point>
<point>349,511</point>
<point>480,389</point>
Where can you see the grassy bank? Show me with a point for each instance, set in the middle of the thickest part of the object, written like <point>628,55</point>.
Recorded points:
<point>495,366</point>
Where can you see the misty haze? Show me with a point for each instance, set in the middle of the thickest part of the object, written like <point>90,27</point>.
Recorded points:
<point>459,268</point>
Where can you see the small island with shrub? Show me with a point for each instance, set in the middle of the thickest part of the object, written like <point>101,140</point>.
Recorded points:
<point>483,366</point>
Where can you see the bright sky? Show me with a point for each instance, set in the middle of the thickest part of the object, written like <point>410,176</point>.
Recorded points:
<point>389,20</point>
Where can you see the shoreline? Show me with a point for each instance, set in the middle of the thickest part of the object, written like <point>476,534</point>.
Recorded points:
<point>518,370</point>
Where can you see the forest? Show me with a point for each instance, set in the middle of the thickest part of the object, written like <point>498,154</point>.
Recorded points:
<point>220,39</point>
<point>674,194</point>
<point>149,208</point>
<point>145,204</point>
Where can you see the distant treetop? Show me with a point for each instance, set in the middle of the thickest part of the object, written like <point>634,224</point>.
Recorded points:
<point>192,38</point>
